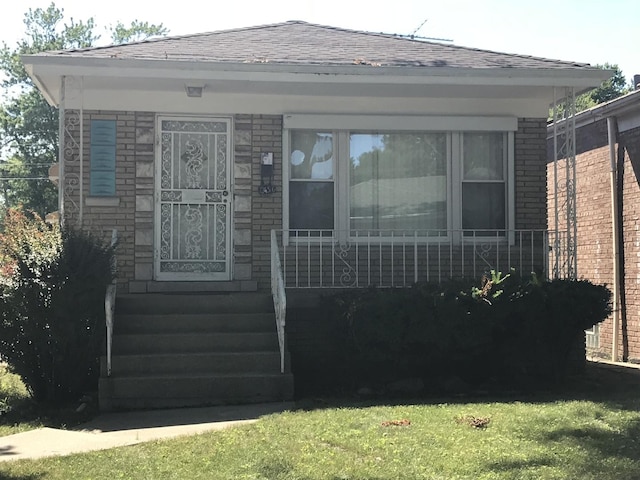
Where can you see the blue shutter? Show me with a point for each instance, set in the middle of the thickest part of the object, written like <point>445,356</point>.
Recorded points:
<point>103,158</point>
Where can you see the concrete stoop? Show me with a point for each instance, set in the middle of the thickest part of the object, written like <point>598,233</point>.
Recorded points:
<point>179,350</point>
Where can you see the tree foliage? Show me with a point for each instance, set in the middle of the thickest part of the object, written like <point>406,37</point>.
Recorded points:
<point>136,31</point>
<point>615,87</point>
<point>28,124</point>
<point>610,89</point>
<point>52,284</point>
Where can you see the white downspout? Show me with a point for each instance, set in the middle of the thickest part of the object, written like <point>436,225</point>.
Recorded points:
<point>611,127</point>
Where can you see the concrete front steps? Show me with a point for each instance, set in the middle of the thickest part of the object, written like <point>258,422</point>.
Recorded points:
<point>178,350</point>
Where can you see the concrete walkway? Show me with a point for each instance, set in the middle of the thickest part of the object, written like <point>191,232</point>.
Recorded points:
<point>111,430</point>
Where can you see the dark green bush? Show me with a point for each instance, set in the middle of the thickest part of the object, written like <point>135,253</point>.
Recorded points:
<point>507,330</point>
<point>52,287</point>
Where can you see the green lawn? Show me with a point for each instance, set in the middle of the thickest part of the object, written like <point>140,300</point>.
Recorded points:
<point>589,433</point>
<point>18,413</point>
<point>13,394</point>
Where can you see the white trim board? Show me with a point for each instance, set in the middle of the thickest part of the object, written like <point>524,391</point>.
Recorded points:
<point>435,123</point>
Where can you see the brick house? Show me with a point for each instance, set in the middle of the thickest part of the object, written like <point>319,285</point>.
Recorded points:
<point>607,142</point>
<point>291,156</point>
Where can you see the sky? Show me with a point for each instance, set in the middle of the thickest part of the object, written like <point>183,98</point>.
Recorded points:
<point>590,31</point>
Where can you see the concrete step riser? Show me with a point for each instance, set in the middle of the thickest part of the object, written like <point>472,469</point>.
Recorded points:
<point>145,403</point>
<point>194,343</point>
<point>191,323</point>
<point>185,364</point>
<point>185,304</point>
<point>174,350</point>
<point>203,390</point>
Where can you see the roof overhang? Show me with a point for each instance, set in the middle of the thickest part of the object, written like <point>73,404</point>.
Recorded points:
<point>625,108</point>
<point>47,71</point>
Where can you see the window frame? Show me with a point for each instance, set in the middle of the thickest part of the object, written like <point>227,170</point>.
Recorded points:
<point>508,180</point>
<point>286,173</point>
<point>341,126</point>
<point>347,180</point>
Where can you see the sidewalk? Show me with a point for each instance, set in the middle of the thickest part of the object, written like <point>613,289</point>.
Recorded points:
<point>111,430</point>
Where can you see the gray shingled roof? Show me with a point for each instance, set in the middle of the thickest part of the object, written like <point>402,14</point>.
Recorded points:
<point>301,43</point>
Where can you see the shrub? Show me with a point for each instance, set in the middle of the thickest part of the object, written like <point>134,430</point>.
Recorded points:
<point>507,330</point>
<point>52,286</point>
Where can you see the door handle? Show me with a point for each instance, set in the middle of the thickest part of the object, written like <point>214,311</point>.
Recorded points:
<point>225,193</point>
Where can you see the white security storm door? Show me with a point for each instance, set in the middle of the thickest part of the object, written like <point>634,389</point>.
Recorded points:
<point>193,200</point>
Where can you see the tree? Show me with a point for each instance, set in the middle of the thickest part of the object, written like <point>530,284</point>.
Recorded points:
<point>615,87</point>
<point>610,89</point>
<point>28,124</point>
<point>137,31</point>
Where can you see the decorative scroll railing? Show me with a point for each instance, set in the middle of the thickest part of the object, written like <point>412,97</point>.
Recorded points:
<point>358,258</point>
<point>279,296</point>
<point>110,303</point>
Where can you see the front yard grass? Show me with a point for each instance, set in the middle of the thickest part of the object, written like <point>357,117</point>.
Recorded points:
<point>18,413</point>
<point>13,396</point>
<point>592,432</point>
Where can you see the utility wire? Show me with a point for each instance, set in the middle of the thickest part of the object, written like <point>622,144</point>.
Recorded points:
<point>10,167</point>
<point>24,178</point>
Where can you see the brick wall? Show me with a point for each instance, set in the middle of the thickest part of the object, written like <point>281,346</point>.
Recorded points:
<point>530,174</point>
<point>266,209</point>
<point>122,212</point>
<point>594,223</point>
<point>630,211</point>
<point>254,214</point>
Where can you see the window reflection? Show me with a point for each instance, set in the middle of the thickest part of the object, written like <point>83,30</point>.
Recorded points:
<point>398,181</point>
<point>311,155</point>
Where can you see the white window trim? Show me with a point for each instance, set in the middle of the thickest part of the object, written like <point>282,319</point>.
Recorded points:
<point>342,125</point>
<point>434,123</point>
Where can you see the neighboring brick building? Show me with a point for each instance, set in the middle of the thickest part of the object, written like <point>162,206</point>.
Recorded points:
<point>595,252</point>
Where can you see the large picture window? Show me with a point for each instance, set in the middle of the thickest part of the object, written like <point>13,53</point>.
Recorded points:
<point>398,181</point>
<point>359,180</point>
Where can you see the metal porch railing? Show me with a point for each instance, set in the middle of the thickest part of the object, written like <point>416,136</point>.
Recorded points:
<point>279,296</point>
<point>358,259</point>
<point>110,303</point>
<point>382,258</point>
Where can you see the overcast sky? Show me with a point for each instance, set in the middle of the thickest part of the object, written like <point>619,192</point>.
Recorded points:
<point>581,30</point>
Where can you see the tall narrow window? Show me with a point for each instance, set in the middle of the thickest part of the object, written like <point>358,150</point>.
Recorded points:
<point>398,181</point>
<point>484,160</point>
<point>311,180</point>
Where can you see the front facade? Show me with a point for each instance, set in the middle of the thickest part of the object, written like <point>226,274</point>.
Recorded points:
<point>289,156</point>
<point>607,215</point>
<point>195,148</point>
<point>183,218</point>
